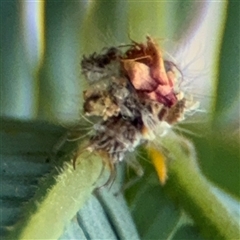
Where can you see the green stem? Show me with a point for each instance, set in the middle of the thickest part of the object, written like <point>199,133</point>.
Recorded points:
<point>188,186</point>
<point>58,199</point>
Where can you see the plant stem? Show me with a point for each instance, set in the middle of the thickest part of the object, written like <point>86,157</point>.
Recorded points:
<point>59,197</point>
<point>189,188</point>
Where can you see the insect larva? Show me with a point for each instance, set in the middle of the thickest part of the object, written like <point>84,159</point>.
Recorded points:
<point>135,96</point>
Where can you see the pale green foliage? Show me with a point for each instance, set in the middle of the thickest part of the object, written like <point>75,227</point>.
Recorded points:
<point>41,80</point>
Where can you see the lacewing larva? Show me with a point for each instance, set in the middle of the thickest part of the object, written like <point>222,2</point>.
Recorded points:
<point>134,96</point>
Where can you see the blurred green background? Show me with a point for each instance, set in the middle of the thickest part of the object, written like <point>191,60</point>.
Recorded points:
<point>41,48</point>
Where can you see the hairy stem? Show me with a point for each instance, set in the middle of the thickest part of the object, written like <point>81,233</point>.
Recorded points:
<point>190,189</point>
<point>58,198</point>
